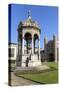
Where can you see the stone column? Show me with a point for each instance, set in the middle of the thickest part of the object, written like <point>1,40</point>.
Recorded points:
<point>23,55</point>
<point>19,58</point>
<point>55,48</point>
<point>55,53</point>
<point>39,48</point>
<point>32,45</point>
<point>23,45</point>
<point>32,56</point>
<point>39,51</point>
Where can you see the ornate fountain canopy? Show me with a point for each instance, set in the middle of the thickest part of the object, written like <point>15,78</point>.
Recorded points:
<point>29,23</point>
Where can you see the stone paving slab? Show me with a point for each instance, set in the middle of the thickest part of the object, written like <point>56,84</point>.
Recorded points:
<point>19,81</point>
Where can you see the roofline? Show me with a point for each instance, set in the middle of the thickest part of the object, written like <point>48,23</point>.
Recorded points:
<point>31,27</point>
<point>12,43</point>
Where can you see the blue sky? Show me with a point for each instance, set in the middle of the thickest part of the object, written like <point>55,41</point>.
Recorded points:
<point>46,16</point>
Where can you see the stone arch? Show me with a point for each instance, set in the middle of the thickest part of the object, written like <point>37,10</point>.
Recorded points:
<point>36,42</point>
<point>36,36</point>
<point>28,38</point>
<point>27,35</point>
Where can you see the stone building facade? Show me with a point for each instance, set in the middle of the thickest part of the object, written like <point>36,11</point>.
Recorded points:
<point>12,52</point>
<point>51,49</point>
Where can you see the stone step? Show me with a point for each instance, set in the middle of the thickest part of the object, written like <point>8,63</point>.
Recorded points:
<point>32,68</point>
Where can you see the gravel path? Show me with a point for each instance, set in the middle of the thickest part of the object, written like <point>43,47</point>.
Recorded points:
<point>19,81</point>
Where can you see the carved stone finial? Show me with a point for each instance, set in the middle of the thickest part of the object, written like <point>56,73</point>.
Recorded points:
<point>29,14</point>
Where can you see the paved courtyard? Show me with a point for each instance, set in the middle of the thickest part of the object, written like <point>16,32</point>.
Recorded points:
<point>19,81</point>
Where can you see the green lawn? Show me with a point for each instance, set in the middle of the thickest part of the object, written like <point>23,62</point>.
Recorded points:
<point>47,76</point>
<point>53,65</point>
